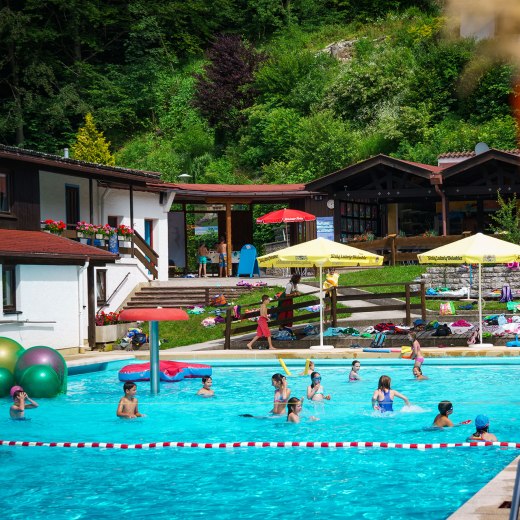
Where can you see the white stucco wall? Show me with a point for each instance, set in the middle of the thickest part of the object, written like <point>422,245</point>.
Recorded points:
<point>48,293</point>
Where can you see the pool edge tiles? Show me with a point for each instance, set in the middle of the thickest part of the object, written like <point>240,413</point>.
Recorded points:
<point>96,363</point>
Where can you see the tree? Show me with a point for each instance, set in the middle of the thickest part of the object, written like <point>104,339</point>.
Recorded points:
<point>506,220</point>
<point>91,145</point>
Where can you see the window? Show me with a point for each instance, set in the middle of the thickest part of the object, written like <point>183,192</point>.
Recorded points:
<point>72,205</point>
<point>9,288</point>
<point>5,205</point>
<point>113,221</point>
<point>101,286</point>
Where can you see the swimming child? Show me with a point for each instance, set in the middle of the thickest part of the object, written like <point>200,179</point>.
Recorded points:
<point>315,391</point>
<point>281,394</point>
<point>482,427</point>
<point>263,328</point>
<point>309,368</point>
<point>206,390</point>
<point>294,407</point>
<point>416,350</point>
<point>127,407</point>
<point>445,408</point>
<point>17,410</point>
<point>417,372</point>
<point>383,397</point>
<point>354,373</point>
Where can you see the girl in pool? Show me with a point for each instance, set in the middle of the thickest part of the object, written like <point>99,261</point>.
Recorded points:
<point>482,427</point>
<point>294,408</point>
<point>383,397</point>
<point>417,372</point>
<point>281,394</point>
<point>315,391</point>
<point>354,373</point>
<point>416,350</point>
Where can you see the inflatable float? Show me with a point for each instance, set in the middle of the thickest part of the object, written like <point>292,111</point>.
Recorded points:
<point>384,350</point>
<point>170,371</point>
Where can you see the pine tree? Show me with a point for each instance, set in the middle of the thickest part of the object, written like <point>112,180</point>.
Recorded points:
<point>91,145</point>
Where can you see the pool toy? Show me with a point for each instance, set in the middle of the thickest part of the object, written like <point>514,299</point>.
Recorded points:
<point>385,350</point>
<point>41,381</point>
<point>6,381</point>
<point>514,343</point>
<point>284,366</point>
<point>170,371</point>
<point>306,369</point>
<point>10,351</point>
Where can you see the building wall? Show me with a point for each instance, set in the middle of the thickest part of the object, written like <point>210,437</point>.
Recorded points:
<point>48,293</point>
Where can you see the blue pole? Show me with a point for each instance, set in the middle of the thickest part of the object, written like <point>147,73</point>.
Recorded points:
<point>154,357</point>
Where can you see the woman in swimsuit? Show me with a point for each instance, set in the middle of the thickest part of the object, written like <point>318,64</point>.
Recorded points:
<point>383,397</point>
<point>354,373</point>
<point>315,390</point>
<point>281,394</point>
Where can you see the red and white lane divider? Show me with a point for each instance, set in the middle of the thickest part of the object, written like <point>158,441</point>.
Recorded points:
<point>227,445</point>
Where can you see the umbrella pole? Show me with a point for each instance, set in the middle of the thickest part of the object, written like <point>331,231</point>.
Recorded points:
<point>480,301</point>
<point>154,357</point>
<point>321,306</point>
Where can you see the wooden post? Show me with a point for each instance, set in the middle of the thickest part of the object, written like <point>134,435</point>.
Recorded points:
<point>227,333</point>
<point>408,319</point>
<point>333,305</point>
<point>91,201</point>
<point>423,301</point>
<point>206,296</point>
<point>229,247</point>
<point>393,249</point>
<point>91,306</point>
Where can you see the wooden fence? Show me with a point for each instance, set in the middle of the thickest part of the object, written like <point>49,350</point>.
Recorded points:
<point>406,306</point>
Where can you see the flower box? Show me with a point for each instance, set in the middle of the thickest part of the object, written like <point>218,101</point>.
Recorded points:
<point>111,333</point>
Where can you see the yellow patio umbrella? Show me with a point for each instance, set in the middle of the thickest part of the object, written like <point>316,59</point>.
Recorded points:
<point>320,253</point>
<point>475,249</point>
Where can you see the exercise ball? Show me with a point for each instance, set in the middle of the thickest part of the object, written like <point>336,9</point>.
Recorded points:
<point>6,381</point>
<point>40,381</point>
<point>10,350</point>
<point>40,356</point>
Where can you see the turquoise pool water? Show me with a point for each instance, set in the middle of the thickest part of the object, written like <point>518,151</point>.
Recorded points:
<point>259,483</point>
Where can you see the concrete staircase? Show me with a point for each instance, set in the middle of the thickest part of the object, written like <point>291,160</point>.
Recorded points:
<point>167,296</point>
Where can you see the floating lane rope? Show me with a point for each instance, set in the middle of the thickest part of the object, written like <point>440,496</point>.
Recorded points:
<point>227,445</point>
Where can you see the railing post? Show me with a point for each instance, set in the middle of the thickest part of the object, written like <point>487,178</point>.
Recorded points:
<point>408,319</point>
<point>333,304</point>
<point>423,301</point>
<point>206,296</point>
<point>227,338</point>
<point>393,250</point>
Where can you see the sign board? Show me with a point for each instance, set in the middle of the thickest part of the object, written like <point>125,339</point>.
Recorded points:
<point>325,227</point>
<point>248,265</point>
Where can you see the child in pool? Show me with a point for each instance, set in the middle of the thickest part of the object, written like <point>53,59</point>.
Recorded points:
<point>482,427</point>
<point>127,407</point>
<point>308,369</point>
<point>354,372</point>
<point>315,390</point>
<point>445,408</point>
<point>417,372</point>
<point>416,350</point>
<point>281,394</point>
<point>294,408</point>
<point>263,328</point>
<point>17,410</point>
<point>206,390</point>
<point>383,397</point>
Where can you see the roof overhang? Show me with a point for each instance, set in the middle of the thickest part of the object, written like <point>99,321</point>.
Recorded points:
<point>480,159</point>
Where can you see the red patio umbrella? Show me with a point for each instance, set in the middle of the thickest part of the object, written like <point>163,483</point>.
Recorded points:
<point>285,216</point>
<point>154,316</point>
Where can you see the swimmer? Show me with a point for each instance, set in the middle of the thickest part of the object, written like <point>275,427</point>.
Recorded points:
<point>281,394</point>
<point>294,408</point>
<point>445,408</point>
<point>308,369</point>
<point>354,372</point>
<point>416,350</point>
<point>417,372</point>
<point>315,390</point>
<point>383,397</point>
<point>127,407</point>
<point>206,390</point>
<point>482,427</point>
<point>17,410</point>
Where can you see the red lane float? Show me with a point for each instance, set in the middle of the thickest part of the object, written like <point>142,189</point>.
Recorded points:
<point>251,444</point>
<point>170,371</point>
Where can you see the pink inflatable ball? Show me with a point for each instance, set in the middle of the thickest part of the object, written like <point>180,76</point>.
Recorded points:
<point>10,351</point>
<point>6,381</point>
<point>41,381</point>
<point>40,355</point>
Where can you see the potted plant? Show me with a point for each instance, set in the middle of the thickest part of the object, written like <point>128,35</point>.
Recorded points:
<point>124,232</point>
<point>56,227</point>
<point>85,229</point>
<point>109,328</point>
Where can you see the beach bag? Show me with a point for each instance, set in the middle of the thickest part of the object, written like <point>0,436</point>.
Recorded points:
<point>218,300</point>
<point>378,341</point>
<point>446,308</point>
<point>442,330</point>
<point>506,295</point>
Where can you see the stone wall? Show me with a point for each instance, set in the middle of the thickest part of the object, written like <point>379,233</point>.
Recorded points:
<point>493,277</point>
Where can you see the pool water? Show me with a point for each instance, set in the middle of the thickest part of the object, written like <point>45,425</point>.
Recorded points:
<point>56,483</point>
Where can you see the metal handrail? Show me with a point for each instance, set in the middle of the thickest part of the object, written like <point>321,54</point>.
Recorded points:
<point>515,500</point>
<point>114,291</point>
<point>2,322</point>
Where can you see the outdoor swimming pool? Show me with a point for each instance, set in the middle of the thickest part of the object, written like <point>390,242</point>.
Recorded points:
<point>57,483</point>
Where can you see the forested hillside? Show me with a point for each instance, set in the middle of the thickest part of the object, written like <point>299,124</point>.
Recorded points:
<point>248,90</point>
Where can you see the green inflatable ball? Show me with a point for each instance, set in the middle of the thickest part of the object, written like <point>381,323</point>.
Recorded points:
<point>10,351</point>
<point>6,381</point>
<point>40,381</point>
